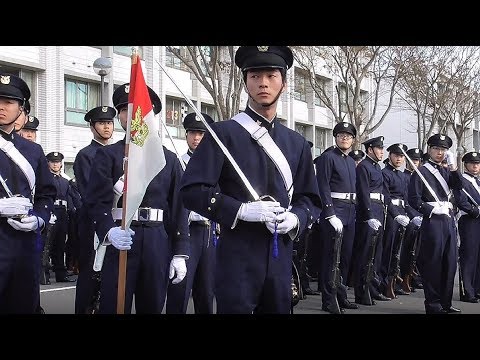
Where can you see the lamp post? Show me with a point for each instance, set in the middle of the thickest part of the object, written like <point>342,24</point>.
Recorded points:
<point>102,66</point>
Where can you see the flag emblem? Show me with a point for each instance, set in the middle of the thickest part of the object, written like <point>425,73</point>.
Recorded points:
<point>139,130</point>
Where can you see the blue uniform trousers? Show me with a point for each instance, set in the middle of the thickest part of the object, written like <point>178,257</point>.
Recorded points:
<point>469,251</point>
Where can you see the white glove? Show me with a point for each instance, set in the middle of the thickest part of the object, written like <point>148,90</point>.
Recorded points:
<point>441,210</point>
<point>120,238</point>
<point>336,223</point>
<point>417,221</point>
<point>450,158</point>
<point>118,187</point>
<point>193,216</point>
<point>178,266</point>
<point>27,223</point>
<point>402,220</point>
<point>53,219</point>
<point>285,222</point>
<point>14,206</point>
<point>374,224</point>
<point>260,211</point>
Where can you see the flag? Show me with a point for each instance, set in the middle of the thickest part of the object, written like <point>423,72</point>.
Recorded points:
<point>145,156</point>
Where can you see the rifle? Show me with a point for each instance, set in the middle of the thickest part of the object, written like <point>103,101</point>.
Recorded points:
<point>395,265</point>
<point>406,283</point>
<point>335,281</point>
<point>366,297</point>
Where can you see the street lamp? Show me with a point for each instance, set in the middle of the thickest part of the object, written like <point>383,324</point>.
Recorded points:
<point>102,66</point>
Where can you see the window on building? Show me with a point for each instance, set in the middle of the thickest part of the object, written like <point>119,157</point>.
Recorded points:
<point>172,60</point>
<point>127,50</point>
<point>305,130</point>
<point>343,98</point>
<point>209,110</point>
<point>300,85</point>
<point>175,111</point>
<point>324,89</point>
<point>363,102</point>
<point>80,97</point>
<point>320,140</point>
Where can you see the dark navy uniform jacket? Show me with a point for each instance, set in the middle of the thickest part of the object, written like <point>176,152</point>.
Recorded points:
<point>82,165</point>
<point>336,173</point>
<point>397,184</point>
<point>462,200</point>
<point>63,188</point>
<point>411,212</point>
<point>418,194</point>
<point>45,191</point>
<point>161,193</point>
<point>209,166</point>
<point>370,180</point>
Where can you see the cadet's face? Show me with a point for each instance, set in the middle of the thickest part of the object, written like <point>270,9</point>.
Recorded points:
<point>437,153</point>
<point>9,110</point>
<point>344,141</point>
<point>193,138</point>
<point>55,166</point>
<point>264,85</point>
<point>28,134</point>
<point>122,116</point>
<point>21,121</point>
<point>103,128</point>
<point>473,168</point>
<point>397,159</point>
<point>378,152</point>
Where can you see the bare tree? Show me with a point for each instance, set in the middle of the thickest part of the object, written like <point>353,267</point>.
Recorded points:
<point>214,67</point>
<point>362,75</point>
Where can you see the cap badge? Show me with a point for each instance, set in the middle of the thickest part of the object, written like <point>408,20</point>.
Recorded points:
<point>345,125</point>
<point>381,138</point>
<point>197,118</point>
<point>30,118</point>
<point>474,154</point>
<point>356,152</point>
<point>55,154</point>
<point>127,89</point>
<point>442,137</point>
<point>5,79</point>
<point>262,48</point>
<point>104,108</point>
<point>417,151</point>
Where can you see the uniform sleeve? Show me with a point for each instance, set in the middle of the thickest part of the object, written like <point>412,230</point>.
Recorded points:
<point>81,169</point>
<point>462,200</point>
<point>363,194</point>
<point>45,190</point>
<point>324,168</point>
<point>415,190</point>
<point>178,231</point>
<point>411,212</point>
<point>393,210</point>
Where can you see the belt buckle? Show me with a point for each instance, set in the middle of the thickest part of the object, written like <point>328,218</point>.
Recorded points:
<point>143,214</point>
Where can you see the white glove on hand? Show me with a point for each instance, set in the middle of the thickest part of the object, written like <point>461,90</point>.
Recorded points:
<point>441,210</point>
<point>27,223</point>
<point>16,205</point>
<point>118,187</point>
<point>53,219</point>
<point>417,221</point>
<point>374,224</point>
<point>450,158</point>
<point>402,220</point>
<point>193,216</point>
<point>336,223</point>
<point>121,239</point>
<point>285,222</point>
<point>260,211</point>
<point>178,266</point>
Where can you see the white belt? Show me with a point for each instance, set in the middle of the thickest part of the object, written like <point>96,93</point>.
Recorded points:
<point>60,203</point>
<point>377,196</point>
<point>398,202</point>
<point>343,196</point>
<point>441,203</point>
<point>142,214</point>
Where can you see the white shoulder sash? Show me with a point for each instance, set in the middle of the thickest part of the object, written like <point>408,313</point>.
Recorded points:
<point>472,180</point>
<point>439,177</point>
<point>263,138</point>
<point>12,152</point>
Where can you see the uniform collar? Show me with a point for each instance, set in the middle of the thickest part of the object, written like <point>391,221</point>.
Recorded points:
<point>7,136</point>
<point>371,160</point>
<point>338,151</point>
<point>473,176</point>
<point>189,153</point>
<point>435,165</point>
<point>261,120</point>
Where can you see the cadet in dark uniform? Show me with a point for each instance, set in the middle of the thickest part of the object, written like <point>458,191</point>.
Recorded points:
<point>101,124</point>
<point>200,279</point>
<point>370,212</point>
<point>24,171</point>
<point>396,222</point>
<point>336,182</point>
<point>59,233</point>
<point>437,260</point>
<point>357,156</point>
<point>469,227</point>
<point>29,130</point>
<point>254,254</point>
<point>160,228</point>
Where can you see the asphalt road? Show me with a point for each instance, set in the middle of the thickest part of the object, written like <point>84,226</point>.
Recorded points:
<point>60,299</point>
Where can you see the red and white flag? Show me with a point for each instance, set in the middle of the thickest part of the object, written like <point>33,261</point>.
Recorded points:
<point>143,140</point>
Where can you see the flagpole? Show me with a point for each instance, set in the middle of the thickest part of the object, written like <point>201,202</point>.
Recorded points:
<point>122,257</point>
